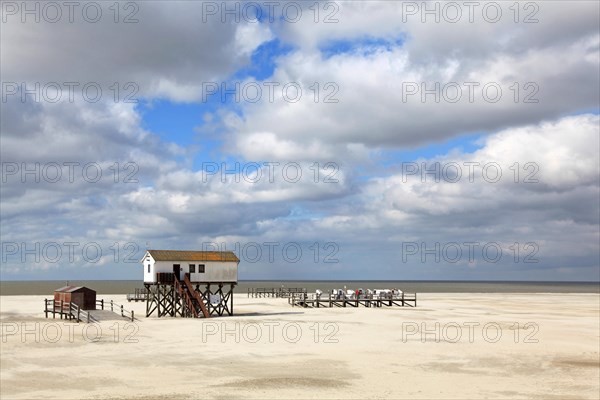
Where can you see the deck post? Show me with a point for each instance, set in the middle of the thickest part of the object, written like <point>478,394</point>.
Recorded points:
<point>131,315</point>
<point>121,310</point>
<point>175,300</point>
<point>207,296</point>
<point>158,299</point>
<point>46,307</point>
<point>61,309</point>
<point>231,309</point>
<point>111,306</point>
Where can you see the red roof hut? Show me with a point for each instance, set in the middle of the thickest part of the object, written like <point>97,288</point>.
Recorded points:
<point>84,297</point>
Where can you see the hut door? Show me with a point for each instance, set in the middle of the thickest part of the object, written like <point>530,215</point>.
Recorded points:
<point>177,270</point>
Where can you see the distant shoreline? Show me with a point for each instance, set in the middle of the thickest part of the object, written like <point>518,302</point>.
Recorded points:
<point>12,288</point>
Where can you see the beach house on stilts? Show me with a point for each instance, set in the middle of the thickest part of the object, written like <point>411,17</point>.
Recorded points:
<point>189,283</point>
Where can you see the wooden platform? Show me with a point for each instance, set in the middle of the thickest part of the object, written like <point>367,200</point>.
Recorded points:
<point>141,294</point>
<point>72,311</point>
<point>314,301</point>
<point>171,296</point>
<point>275,292</point>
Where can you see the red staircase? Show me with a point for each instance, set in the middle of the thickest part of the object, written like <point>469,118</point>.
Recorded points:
<point>191,298</point>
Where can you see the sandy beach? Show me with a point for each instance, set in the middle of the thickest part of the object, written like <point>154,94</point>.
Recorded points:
<point>452,346</point>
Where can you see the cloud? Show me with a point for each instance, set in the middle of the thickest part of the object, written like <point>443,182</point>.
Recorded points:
<point>401,83</point>
<point>183,208</point>
<point>387,100</point>
<point>547,150</point>
<point>167,53</point>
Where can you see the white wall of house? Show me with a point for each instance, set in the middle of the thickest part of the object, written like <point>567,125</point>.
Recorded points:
<point>214,271</point>
<point>148,263</point>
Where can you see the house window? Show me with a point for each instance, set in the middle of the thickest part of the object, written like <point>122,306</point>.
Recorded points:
<point>148,268</point>
<point>192,268</point>
<point>201,268</point>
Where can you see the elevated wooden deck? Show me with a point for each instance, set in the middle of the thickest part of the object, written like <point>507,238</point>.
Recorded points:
<point>140,294</point>
<point>327,300</point>
<point>274,292</point>
<point>172,296</point>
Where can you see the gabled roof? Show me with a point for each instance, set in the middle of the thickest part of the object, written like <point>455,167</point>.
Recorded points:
<point>71,289</point>
<point>190,255</point>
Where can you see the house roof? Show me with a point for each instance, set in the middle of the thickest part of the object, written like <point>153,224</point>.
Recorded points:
<point>190,255</point>
<point>71,289</point>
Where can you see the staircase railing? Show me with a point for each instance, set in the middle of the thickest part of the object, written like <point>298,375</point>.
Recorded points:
<point>186,296</point>
<point>188,283</point>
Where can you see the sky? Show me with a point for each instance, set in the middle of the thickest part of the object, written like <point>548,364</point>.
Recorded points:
<point>317,140</point>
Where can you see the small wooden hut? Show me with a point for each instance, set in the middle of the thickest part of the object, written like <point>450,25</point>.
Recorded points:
<point>84,297</point>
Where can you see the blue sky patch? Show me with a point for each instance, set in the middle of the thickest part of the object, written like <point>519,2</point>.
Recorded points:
<point>263,59</point>
<point>362,46</point>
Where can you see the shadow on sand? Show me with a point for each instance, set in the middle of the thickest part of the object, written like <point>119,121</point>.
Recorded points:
<point>256,314</point>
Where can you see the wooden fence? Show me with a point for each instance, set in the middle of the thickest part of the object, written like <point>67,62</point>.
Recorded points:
<point>73,311</point>
<point>274,292</point>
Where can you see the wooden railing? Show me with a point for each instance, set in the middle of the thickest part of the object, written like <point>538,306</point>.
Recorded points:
<point>140,294</point>
<point>69,310</point>
<point>361,296</point>
<point>274,292</point>
<point>199,300</point>
<point>330,298</point>
<point>72,310</point>
<point>165,277</point>
<point>183,293</point>
<point>124,313</point>
<point>80,314</point>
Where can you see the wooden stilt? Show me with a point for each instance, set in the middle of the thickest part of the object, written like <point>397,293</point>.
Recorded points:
<point>163,298</point>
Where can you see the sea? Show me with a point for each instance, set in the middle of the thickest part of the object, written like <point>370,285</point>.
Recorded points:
<point>15,288</point>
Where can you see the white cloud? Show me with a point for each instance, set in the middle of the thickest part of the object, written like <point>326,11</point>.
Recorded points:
<point>169,53</point>
<point>185,208</point>
<point>377,109</point>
